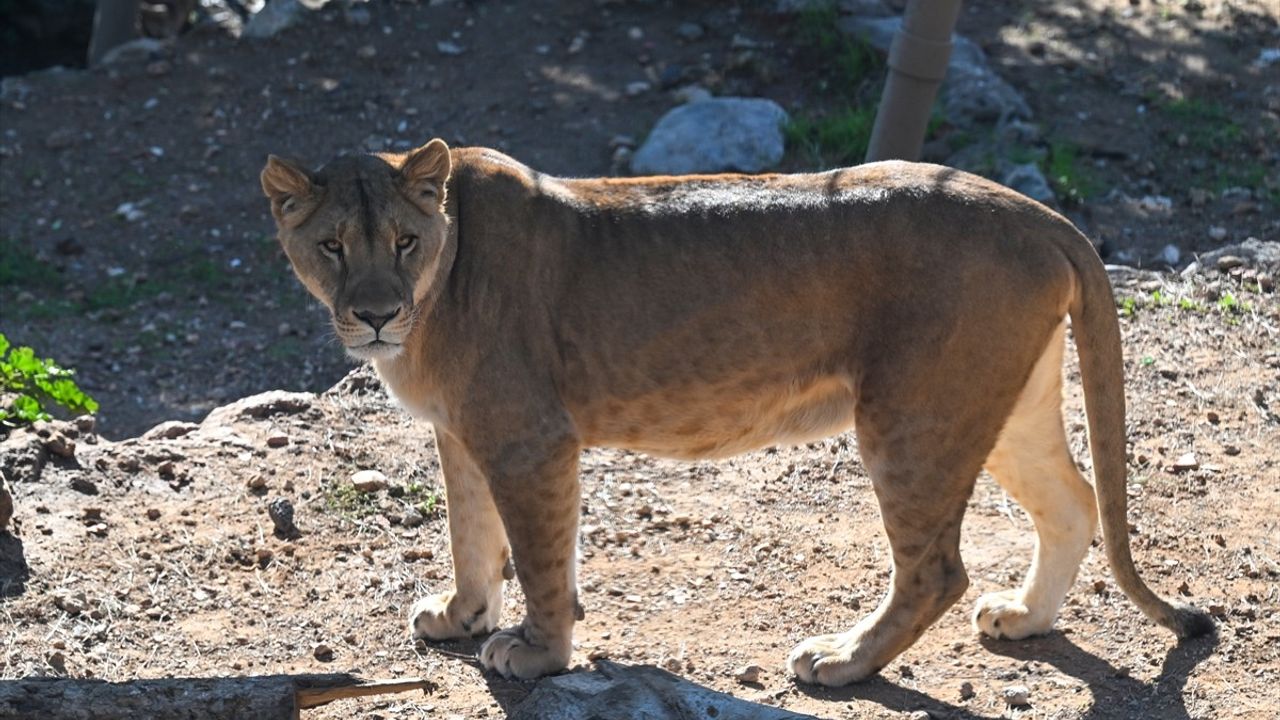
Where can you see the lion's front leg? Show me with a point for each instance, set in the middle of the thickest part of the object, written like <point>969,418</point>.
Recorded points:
<point>481,557</point>
<point>536,489</point>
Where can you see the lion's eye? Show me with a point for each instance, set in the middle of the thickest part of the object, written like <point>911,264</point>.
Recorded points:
<point>405,243</point>
<point>331,246</point>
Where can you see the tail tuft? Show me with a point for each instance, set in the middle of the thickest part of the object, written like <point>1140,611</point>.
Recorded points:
<point>1190,622</point>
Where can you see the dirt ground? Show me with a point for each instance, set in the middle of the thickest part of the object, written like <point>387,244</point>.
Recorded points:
<point>135,247</point>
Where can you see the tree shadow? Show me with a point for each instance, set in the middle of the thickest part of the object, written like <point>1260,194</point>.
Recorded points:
<point>14,571</point>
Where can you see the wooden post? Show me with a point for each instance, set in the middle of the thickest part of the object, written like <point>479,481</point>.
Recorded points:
<point>269,697</point>
<point>917,64</point>
<point>115,22</point>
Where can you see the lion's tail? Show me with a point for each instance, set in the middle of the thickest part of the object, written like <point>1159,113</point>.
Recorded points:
<point>1097,333</point>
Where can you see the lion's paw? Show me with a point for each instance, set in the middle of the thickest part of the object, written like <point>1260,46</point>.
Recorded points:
<point>1003,616</point>
<point>512,653</point>
<point>830,660</point>
<point>444,616</point>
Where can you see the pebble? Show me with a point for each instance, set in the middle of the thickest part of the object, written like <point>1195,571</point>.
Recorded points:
<point>60,445</point>
<point>412,518</point>
<point>966,690</point>
<point>323,653</point>
<point>1016,695</point>
<point>748,674</point>
<point>277,441</point>
<point>639,87</point>
<point>1229,262</point>
<point>444,47</point>
<point>281,512</point>
<point>84,485</point>
<point>256,482</point>
<point>153,514</point>
<point>1185,462</point>
<point>367,52</point>
<point>369,481</point>
<point>1170,254</point>
<point>920,715</point>
<point>1217,232</point>
<point>690,31</point>
<point>60,138</point>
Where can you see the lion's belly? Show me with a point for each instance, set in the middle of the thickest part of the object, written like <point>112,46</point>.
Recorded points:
<point>719,422</point>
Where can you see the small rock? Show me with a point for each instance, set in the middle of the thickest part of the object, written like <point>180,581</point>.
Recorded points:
<point>1217,233</point>
<point>690,31</point>
<point>323,652</point>
<point>58,661</point>
<point>71,603</point>
<point>281,512</point>
<point>60,445</point>
<point>444,47</point>
<point>367,52</point>
<point>277,441</point>
<point>1229,262</point>
<point>85,423</point>
<point>639,87</point>
<point>60,139</point>
<point>274,18</point>
<point>1016,696</point>
<point>412,518</point>
<point>81,484</point>
<point>692,94</point>
<point>1184,463</point>
<point>256,482</point>
<point>966,690</point>
<point>1156,204</point>
<point>170,430</point>
<point>920,715</point>
<point>1028,180</point>
<point>356,16</point>
<point>412,554</point>
<point>368,481</point>
<point>748,674</point>
<point>1170,255</point>
<point>153,514</point>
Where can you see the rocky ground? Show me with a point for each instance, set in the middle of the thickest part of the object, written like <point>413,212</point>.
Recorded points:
<point>159,555</point>
<point>135,247</point>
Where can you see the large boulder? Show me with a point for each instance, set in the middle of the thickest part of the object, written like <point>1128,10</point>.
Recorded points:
<point>715,135</point>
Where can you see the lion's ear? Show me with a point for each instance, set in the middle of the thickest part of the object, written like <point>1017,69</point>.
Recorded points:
<point>425,172</point>
<point>286,183</point>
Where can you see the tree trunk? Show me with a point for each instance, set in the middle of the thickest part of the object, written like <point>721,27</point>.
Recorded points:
<point>115,23</point>
<point>271,697</point>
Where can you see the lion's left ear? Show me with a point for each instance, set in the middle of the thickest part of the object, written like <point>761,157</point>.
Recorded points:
<point>425,172</point>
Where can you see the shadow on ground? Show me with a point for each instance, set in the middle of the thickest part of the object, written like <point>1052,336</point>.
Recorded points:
<point>14,571</point>
<point>1115,694</point>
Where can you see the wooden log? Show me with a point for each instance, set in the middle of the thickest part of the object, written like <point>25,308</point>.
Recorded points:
<point>269,697</point>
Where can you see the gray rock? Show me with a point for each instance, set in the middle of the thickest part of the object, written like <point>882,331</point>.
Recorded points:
<point>277,16</point>
<point>971,92</point>
<point>262,405</point>
<point>620,692</point>
<point>170,430</point>
<point>690,31</point>
<point>1264,254</point>
<point>1028,180</point>
<point>715,135</point>
<point>281,512</point>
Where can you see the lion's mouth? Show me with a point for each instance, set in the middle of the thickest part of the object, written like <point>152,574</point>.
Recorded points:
<point>375,350</point>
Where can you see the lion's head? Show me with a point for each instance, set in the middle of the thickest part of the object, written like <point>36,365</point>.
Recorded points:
<point>366,235</point>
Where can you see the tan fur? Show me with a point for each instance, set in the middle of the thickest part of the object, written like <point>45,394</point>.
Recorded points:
<point>709,315</point>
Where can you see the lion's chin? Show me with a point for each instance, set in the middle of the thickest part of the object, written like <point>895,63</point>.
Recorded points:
<point>376,350</point>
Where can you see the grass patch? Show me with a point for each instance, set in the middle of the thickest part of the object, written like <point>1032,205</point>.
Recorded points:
<point>852,74</point>
<point>1207,125</point>
<point>1069,176</point>
<point>343,499</point>
<point>19,267</point>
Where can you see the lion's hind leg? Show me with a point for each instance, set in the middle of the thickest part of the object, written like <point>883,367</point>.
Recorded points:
<point>1031,461</point>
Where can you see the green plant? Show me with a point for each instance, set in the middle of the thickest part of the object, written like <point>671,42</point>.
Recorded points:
<point>28,384</point>
<point>19,266</point>
<point>838,138</point>
<point>1068,175</point>
<point>344,499</point>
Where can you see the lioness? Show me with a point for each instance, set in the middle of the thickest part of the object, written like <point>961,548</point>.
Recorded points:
<point>528,316</point>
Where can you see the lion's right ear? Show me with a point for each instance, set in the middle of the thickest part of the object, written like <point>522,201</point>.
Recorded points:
<point>286,183</point>
<point>425,172</point>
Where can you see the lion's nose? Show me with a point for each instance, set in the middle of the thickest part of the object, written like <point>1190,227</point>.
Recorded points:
<point>375,320</point>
